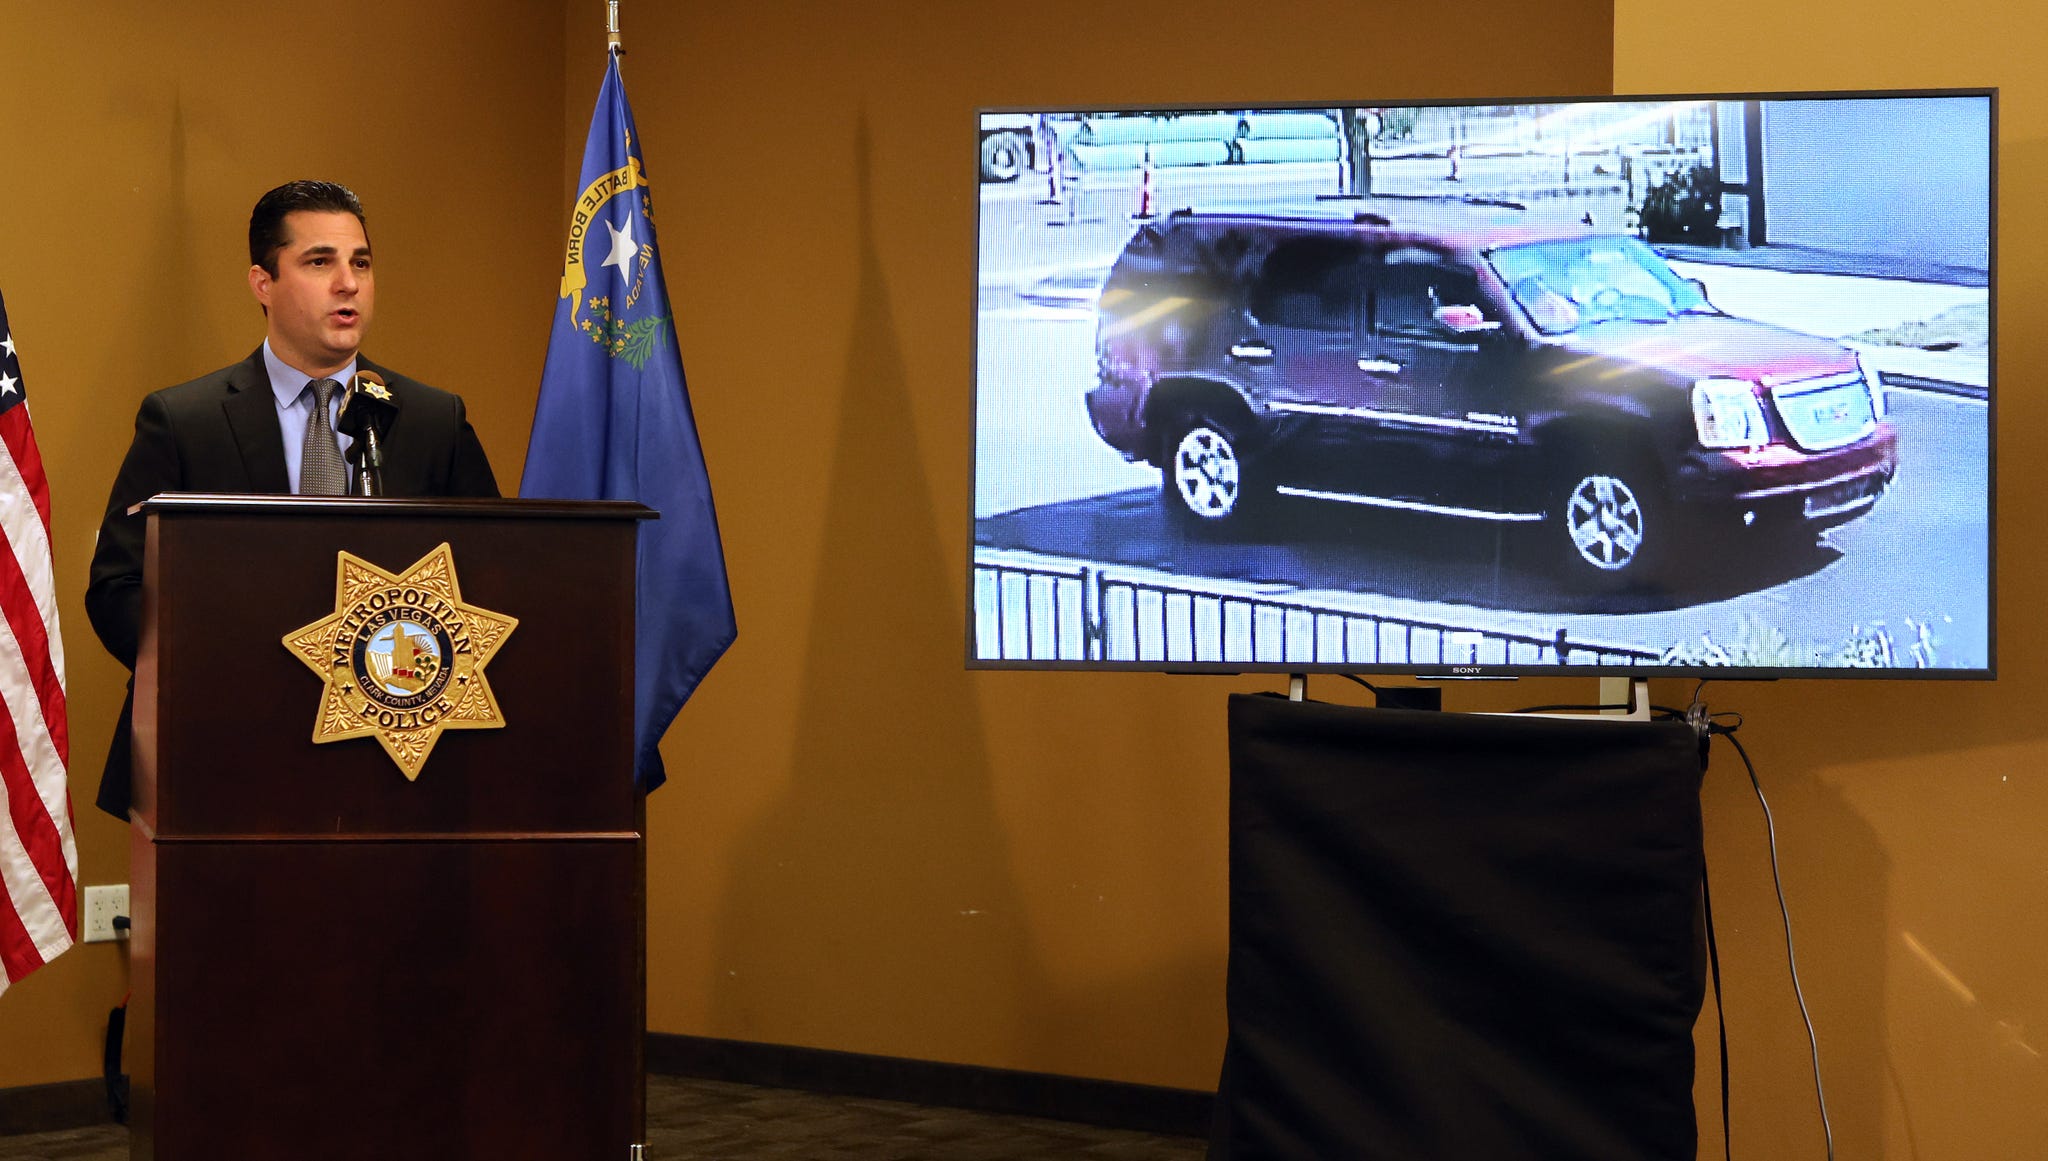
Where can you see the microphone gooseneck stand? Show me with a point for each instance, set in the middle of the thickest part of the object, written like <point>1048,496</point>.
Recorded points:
<point>366,458</point>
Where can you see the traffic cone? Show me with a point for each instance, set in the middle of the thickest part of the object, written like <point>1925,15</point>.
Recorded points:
<point>1145,188</point>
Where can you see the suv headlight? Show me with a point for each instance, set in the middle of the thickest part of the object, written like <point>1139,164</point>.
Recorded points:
<point>1727,413</point>
<point>1874,384</point>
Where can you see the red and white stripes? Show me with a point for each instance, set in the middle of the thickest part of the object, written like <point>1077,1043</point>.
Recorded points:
<point>38,851</point>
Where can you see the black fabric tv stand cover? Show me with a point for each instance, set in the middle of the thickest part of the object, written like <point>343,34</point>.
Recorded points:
<point>1457,937</point>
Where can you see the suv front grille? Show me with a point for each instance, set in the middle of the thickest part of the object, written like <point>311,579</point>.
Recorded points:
<point>1829,412</point>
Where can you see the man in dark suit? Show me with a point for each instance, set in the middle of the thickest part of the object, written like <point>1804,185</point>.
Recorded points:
<point>266,424</point>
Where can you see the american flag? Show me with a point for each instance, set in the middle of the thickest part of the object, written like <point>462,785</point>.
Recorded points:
<point>38,853</point>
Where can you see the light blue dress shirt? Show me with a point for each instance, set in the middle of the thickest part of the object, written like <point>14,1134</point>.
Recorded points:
<point>295,408</point>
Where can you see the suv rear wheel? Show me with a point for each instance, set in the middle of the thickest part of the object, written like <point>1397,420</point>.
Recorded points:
<point>1204,478</point>
<point>1003,157</point>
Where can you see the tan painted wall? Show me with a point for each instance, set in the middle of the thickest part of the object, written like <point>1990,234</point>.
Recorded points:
<point>864,847</point>
<point>1909,817</point>
<point>135,139</point>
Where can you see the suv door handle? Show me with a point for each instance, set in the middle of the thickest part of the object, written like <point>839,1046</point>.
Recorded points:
<point>1379,366</point>
<point>1255,352</point>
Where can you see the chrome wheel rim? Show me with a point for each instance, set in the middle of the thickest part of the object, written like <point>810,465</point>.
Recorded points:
<point>1605,520</point>
<point>1205,473</point>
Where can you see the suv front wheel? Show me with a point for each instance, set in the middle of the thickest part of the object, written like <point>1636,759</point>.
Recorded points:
<point>1615,524</point>
<point>1204,477</point>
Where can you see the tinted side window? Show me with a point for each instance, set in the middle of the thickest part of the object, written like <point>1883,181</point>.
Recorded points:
<point>1411,284</point>
<point>1310,283</point>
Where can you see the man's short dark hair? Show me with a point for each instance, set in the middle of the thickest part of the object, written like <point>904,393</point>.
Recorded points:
<point>266,223</point>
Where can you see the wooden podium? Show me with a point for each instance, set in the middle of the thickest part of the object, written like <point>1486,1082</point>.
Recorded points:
<point>331,961</point>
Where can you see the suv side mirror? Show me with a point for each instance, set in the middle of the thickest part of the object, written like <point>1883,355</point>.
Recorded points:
<point>1464,320</point>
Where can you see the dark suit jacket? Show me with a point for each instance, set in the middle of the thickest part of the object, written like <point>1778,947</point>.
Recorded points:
<point>219,433</point>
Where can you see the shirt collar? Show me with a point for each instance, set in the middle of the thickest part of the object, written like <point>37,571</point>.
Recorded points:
<point>288,382</point>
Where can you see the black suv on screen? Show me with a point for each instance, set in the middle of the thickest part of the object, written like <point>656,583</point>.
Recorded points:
<point>1556,378</point>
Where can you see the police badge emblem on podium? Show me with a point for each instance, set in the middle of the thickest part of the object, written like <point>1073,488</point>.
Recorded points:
<point>402,657</point>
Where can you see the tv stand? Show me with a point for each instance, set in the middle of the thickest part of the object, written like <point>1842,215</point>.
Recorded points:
<point>1622,699</point>
<point>1635,691</point>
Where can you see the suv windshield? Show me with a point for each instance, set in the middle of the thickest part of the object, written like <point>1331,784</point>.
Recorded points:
<point>1577,282</point>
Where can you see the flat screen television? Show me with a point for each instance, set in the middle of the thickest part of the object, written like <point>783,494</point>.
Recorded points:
<point>1641,386</point>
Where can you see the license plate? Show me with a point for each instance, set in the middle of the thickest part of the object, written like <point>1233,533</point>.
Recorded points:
<point>1836,498</point>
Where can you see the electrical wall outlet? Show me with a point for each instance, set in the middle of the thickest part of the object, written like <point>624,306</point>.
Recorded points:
<point>101,905</point>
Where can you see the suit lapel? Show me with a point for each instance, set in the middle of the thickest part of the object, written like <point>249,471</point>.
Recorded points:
<point>251,411</point>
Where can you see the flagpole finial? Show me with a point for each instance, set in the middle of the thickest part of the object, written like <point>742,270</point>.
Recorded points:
<point>611,27</point>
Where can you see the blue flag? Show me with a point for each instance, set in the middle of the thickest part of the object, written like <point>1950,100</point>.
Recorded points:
<point>613,423</point>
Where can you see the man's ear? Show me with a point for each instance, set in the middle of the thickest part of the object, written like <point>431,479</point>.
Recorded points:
<point>259,285</point>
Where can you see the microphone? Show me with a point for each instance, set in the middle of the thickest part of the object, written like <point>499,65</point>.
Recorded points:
<point>367,411</point>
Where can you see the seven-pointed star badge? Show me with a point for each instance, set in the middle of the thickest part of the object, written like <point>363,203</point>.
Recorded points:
<point>402,657</point>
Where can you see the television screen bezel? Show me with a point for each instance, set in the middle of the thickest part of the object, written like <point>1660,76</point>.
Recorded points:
<point>1448,671</point>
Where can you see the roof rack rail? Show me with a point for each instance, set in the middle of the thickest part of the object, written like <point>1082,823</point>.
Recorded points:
<point>1362,217</point>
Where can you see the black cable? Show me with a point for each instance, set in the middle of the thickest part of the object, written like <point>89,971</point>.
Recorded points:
<point>1660,712</point>
<point>1426,698</point>
<point>1785,913</point>
<point>1720,1010</point>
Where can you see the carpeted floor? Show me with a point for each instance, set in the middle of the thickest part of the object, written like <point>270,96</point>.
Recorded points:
<point>704,1120</point>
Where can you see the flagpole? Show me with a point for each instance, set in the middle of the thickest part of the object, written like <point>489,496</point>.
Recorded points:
<point>611,27</point>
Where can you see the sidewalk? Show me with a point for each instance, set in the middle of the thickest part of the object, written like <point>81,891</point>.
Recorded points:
<point>1840,305</point>
<point>1809,260</point>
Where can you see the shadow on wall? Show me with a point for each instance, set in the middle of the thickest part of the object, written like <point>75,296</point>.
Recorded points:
<point>180,263</point>
<point>873,909</point>
<point>1905,845</point>
<point>175,274</point>
<point>1841,937</point>
<point>1177,1005</point>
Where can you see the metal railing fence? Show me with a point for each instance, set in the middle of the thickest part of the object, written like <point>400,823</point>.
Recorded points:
<point>1043,612</point>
